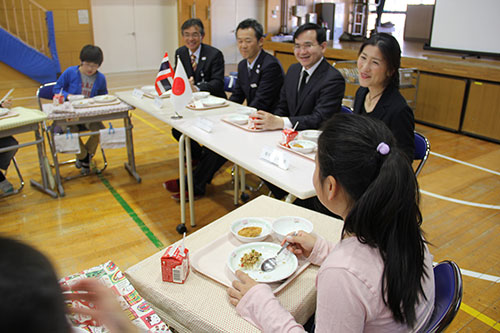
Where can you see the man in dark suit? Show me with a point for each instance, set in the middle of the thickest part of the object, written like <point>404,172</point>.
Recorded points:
<point>203,63</point>
<point>312,92</point>
<point>313,89</point>
<point>204,67</point>
<point>260,77</point>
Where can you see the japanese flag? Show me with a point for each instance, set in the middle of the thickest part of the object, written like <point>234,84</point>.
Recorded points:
<point>181,89</point>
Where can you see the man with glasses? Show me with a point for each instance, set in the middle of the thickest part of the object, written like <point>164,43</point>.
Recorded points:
<point>203,63</point>
<point>85,80</point>
<point>312,92</point>
<point>204,67</point>
<point>260,77</point>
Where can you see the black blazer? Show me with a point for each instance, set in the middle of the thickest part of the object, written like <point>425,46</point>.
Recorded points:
<point>393,110</point>
<point>321,98</point>
<point>260,88</point>
<point>209,74</point>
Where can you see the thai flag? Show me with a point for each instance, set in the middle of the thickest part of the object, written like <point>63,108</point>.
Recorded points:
<point>165,76</point>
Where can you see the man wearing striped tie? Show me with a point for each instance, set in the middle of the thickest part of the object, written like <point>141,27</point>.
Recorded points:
<point>204,67</point>
<point>203,63</point>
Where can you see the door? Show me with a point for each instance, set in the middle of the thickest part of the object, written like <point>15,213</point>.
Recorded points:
<point>134,34</point>
<point>195,9</point>
<point>226,15</point>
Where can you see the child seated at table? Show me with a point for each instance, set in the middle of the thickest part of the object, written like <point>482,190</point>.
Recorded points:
<point>84,79</point>
<point>379,276</point>
<point>32,299</point>
<point>5,157</point>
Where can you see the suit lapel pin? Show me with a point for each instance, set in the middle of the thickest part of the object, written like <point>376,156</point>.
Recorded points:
<point>253,85</point>
<point>203,58</point>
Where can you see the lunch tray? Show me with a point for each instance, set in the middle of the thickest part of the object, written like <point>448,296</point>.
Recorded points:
<point>93,105</point>
<point>211,261</point>
<point>244,127</point>
<point>311,156</point>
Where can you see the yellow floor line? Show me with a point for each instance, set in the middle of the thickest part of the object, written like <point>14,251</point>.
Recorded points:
<point>476,314</point>
<point>150,124</point>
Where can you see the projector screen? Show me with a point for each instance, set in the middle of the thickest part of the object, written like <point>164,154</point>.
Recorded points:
<point>467,26</point>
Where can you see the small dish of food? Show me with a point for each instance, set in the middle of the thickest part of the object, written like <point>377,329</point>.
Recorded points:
<point>311,135</point>
<point>303,146</point>
<point>250,229</point>
<point>287,224</point>
<point>248,258</point>
<point>239,119</point>
<point>81,103</point>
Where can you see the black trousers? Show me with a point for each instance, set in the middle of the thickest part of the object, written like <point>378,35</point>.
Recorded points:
<point>195,146</point>
<point>204,172</point>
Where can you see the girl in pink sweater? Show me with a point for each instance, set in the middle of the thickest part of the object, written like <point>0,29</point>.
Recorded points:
<point>379,277</point>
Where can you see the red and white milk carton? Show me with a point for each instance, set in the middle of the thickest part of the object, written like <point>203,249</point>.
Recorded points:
<point>58,99</point>
<point>288,135</point>
<point>175,264</point>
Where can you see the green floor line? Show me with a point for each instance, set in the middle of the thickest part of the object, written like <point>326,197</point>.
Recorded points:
<point>131,213</point>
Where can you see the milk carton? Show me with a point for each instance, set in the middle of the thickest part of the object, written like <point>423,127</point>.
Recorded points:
<point>175,264</point>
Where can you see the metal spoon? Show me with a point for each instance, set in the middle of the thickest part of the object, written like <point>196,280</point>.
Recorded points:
<point>270,263</point>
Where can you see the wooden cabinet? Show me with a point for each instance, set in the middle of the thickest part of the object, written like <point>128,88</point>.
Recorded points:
<point>482,114</point>
<point>440,100</point>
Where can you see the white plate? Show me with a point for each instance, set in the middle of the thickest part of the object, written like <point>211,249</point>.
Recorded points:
<point>197,95</point>
<point>239,119</point>
<point>287,224</point>
<point>72,98</point>
<point>82,102</point>
<point>246,110</point>
<point>213,101</point>
<point>287,262</point>
<point>3,111</point>
<point>104,99</point>
<point>311,135</point>
<point>303,146</point>
<point>251,222</point>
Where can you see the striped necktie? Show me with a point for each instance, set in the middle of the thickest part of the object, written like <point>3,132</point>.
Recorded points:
<point>193,61</point>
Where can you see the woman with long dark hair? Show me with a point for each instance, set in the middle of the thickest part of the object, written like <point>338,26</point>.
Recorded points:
<point>379,277</point>
<point>378,97</point>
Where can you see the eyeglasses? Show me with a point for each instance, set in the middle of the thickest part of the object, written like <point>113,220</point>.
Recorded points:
<point>90,65</point>
<point>306,46</point>
<point>193,35</point>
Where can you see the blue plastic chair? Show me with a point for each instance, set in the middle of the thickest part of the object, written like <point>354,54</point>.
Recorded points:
<point>422,150</point>
<point>345,109</point>
<point>448,291</point>
<point>46,92</point>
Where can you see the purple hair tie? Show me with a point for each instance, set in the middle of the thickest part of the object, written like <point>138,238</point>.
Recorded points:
<point>383,148</point>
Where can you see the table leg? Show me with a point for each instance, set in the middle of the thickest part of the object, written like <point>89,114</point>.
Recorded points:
<point>290,198</point>
<point>236,184</point>
<point>52,145</point>
<point>44,187</point>
<point>130,166</point>
<point>190,180</point>
<point>182,181</point>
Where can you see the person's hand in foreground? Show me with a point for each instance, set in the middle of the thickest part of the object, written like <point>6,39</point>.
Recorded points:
<point>267,121</point>
<point>301,244</point>
<point>194,88</point>
<point>7,104</point>
<point>240,287</point>
<point>107,311</point>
